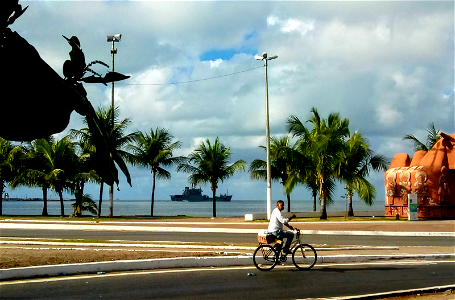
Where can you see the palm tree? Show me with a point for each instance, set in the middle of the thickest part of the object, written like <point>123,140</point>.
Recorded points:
<point>302,169</point>
<point>154,150</point>
<point>280,156</point>
<point>432,138</point>
<point>84,203</point>
<point>88,162</point>
<point>52,166</point>
<point>35,161</point>
<point>327,141</point>
<point>208,164</point>
<point>116,142</point>
<point>83,172</point>
<point>10,162</point>
<point>357,163</point>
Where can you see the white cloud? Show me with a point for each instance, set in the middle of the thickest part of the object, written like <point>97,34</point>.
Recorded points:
<point>370,43</point>
<point>388,116</point>
<point>291,24</point>
<point>380,64</point>
<point>215,63</point>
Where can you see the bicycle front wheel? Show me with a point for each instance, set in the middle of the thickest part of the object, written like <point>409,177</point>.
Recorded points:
<point>304,257</point>
<point>264,258</point>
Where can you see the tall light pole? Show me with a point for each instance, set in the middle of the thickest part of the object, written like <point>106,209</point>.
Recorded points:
<point>112,38</point>
<point>267,134</point>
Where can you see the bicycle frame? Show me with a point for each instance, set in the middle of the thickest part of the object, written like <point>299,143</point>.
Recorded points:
<point>295,242</point>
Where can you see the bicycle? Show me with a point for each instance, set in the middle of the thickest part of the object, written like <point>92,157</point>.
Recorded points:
<point>266,257</point>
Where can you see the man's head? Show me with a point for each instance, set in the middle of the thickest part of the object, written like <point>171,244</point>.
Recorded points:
<point>280,205</point>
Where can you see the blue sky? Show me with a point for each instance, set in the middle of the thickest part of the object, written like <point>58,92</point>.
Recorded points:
<point>224,54</point>
<point>387,66</point>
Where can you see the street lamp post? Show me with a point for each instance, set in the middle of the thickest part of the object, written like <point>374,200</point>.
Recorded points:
<point>267,134</point>
<point>112,38</point>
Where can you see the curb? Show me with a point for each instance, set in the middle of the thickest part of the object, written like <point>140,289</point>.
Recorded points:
<point>186,262</point>
<point>123,265</point>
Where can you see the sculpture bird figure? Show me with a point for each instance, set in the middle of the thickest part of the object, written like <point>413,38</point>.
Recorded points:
<point>74,68</point>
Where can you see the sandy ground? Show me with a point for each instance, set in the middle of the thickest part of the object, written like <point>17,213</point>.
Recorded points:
<point>17,257</point>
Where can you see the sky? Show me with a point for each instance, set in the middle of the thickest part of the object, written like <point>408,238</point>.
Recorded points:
<point>386,66</point>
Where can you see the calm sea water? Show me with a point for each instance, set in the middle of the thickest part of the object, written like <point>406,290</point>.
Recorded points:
<point>235,208</point>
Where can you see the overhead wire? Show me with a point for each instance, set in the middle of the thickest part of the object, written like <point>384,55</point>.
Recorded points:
<point>196,80</point>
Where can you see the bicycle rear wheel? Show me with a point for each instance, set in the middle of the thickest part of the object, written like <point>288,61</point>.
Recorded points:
<point>264,258</point>
<point>304,257</point>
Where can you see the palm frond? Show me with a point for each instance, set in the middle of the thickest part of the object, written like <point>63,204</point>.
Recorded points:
<point>433,136</point>
<point>418,145</point>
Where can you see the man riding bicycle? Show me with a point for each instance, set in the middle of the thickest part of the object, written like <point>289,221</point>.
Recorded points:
<point>276,226</point>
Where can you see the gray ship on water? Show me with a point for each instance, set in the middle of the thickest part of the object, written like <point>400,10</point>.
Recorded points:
<point>195,195</point>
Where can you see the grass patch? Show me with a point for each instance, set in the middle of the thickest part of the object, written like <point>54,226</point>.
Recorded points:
<point>124,242</point>
<point>91,218</point>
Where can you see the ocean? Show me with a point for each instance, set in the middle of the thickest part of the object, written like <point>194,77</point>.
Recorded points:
<point>235,208</point>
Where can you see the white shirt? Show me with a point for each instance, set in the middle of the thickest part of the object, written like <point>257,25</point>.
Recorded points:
<point>277,220</point>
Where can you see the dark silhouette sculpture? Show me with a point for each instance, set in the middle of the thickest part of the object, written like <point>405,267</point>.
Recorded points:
<point>38,102</point>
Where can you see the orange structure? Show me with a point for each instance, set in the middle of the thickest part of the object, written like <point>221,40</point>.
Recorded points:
<point>430,175</point>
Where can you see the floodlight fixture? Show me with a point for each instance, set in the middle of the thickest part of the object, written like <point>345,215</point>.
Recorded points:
<point>114,37</point>
<point>264,57</point>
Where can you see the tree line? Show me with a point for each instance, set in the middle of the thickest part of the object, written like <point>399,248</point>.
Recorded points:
<point>324,152</point>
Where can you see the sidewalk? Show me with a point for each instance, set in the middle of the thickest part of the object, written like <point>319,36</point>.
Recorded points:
<point>238,225</point>
<point>332,254</point>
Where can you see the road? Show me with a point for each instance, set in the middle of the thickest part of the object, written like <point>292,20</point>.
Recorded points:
<point>234,283</point>
<point>231,238</point>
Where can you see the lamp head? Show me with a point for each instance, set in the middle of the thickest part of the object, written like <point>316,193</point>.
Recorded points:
<point>114,38</point>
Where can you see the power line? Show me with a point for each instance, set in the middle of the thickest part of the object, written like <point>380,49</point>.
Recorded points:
<point>191,81</point>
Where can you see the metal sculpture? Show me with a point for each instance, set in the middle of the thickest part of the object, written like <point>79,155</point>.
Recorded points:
<point>37,102</point>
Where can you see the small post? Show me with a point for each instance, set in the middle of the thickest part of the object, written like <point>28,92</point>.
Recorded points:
<point>412,207</point>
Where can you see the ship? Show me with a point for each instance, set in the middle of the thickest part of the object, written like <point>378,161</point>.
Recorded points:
<point>195,195</point>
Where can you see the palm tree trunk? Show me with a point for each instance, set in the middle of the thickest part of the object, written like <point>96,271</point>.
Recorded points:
<point>350,211</point>
<point>322,195</point>
<point>214,202</point>
<point>44,213</point>
<point>78,203</point>
<point>323,210</point>
<point>1,197</point>
<point>111,200</point>
<point>62,208</point>
<point>315,193</point>
<point>101,198</point>
<point>153,194</point>
<point>81,196</point>
<point>289,202</point>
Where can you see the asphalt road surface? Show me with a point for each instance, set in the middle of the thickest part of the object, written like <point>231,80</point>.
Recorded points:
<point>234,283</point>
<point>231,238</point>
